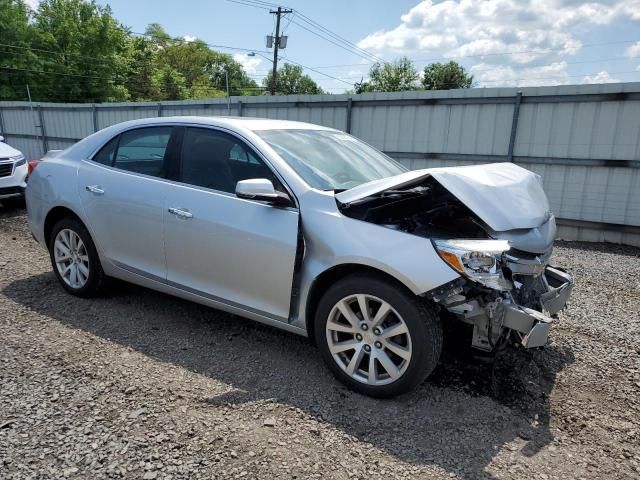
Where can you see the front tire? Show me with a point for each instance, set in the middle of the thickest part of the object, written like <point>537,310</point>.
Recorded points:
<point>74,259</point>
<point>375,337</point>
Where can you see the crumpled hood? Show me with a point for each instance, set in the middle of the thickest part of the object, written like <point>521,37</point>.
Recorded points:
<point>504,196</point>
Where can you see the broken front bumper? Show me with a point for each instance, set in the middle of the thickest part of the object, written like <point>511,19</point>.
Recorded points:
<point>530,326</point>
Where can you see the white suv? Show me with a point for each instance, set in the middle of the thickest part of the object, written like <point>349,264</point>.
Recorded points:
<point>13,172</point>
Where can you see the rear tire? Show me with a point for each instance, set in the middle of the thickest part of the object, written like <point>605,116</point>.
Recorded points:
<point>387,351</point>
<point>74,259</point>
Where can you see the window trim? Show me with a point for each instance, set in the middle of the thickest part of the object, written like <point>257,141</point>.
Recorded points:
<point>246,143</point>
<point>115,150</point>
<point>172,138</point>
<point>177,136</point>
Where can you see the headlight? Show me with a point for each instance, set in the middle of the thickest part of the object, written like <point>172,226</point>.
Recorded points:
<point>476,259</point>
<point>19,159</point>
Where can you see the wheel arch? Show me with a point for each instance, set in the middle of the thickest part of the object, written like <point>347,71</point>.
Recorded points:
<point>54,216</point>
<point>323,281</point>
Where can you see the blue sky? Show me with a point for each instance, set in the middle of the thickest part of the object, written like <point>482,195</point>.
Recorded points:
<point>502,42</point>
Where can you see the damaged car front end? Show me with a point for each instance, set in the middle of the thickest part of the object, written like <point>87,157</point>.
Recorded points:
<point>492,225</point>
<point>506,298</point>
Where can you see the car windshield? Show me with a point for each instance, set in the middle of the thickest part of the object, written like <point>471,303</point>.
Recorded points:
<point>330,160</point>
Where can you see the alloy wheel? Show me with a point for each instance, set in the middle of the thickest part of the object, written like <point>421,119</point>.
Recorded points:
<point>71,258</point>
<point>368,339</point>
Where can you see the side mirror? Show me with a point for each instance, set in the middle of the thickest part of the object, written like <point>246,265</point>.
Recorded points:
<point>261,189</point>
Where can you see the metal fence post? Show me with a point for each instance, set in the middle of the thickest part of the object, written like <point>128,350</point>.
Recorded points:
<point>349,107</point>
<point>239,108</point>
<point>95,117</point>
<point>45,143</point>
<point>159,109</point>
<point>2,132</point>
<point>514,126</point>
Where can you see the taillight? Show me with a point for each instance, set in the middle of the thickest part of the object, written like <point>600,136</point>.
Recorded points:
<point>31,166</point>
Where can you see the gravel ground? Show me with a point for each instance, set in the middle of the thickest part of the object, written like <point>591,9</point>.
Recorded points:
<point>141,385</point>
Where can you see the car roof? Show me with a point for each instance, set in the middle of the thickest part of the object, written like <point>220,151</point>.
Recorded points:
<point>249,123</point>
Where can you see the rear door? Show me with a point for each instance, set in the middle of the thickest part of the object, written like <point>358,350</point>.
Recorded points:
<point>123,194</point>
<point>238,252</point>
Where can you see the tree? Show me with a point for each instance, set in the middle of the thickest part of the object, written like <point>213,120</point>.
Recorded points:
<point>204,70</point>
<point>86,52</point>
<point>169,84</point>
<point>141,77</point>
<point>290,81</point>
<point>398,76</point>
<point>446,76</point>
<point>18,60</point>
<point>76,51</point>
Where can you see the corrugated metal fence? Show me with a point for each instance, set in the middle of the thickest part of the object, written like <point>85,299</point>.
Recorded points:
<point>583,139</point>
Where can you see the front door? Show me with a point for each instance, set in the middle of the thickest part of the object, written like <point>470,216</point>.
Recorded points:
<point>238,252</point>
<point>123,196</point>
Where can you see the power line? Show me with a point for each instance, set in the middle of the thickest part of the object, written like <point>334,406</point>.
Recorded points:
<point>210,45</point>
<point>56,73</point>
<point>34,49</point>
<point>320,27</point>
<point>320,30</point>
<point>88,78</point>
<point>317,71</point>
<point>331,41</point>
<point>247,4</point>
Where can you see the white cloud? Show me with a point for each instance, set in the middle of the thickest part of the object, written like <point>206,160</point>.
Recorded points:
<point>602,77</point>
<point>536,29</point>
<point>190,38</point>
<point>250,64</point>
<point>487,75</point>
<point>33,4</point>
<point>633,51</point>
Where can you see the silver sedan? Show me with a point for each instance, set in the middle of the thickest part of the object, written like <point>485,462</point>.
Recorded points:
<point>307,229</point>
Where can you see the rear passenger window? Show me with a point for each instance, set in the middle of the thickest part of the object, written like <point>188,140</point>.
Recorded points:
<point>143,151</point>
<point>106,153</point>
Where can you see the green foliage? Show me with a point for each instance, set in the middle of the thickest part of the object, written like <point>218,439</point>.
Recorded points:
<point>290,80</point>
<point>446,76</point>
<point>398,76</point>
<point>15,30</point>
<point>401,76</point>
<point>76,51</point>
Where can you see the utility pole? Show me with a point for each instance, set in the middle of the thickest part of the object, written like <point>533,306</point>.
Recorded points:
<point>276,44</point>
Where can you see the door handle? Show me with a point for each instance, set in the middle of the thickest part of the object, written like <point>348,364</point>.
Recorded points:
<point>181,212</point>
<point>94,189</point>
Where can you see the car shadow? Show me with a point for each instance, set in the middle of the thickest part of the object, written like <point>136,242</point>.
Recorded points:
<point>11,208</point>
<point>458,419</point>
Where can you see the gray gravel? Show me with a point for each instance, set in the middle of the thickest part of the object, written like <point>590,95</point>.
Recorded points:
<point>141,385</point>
